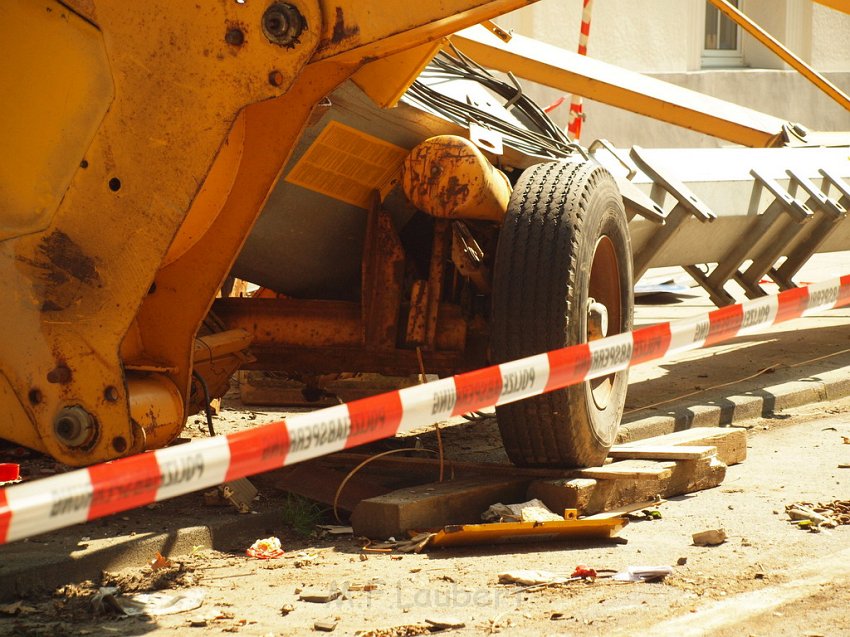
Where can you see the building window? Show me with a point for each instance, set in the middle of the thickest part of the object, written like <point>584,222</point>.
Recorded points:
<point>722,40</point>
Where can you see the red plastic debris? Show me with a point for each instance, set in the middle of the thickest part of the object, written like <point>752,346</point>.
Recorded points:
<point>9,471</point>
<point>584,572</point>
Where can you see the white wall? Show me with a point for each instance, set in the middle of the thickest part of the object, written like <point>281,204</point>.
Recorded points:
<point>664,38</point>
<point>656,36</point>
<point>642,35</point>
<point>830,40</point>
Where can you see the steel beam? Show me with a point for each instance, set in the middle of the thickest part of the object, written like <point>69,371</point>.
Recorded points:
<point>609,84</point>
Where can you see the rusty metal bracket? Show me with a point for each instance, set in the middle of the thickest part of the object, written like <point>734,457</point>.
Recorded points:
<point>440,254</point>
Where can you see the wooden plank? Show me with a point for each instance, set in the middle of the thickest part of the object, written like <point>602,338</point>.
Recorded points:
<point>613,494</point>
<point>590,497</point>
<point>321,484</point>
<point>633,469</point>
<point>428,463</point>
<point>731,443</point>
<point>661,452</point>
<point>563,493</point>
<point>434,505</point>
<point>694,475</point>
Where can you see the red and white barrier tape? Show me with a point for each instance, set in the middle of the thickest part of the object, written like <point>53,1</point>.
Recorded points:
<point>576,109</point>
<point>59,501</point>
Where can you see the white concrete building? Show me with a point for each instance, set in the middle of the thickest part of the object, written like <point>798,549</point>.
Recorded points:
<point>688,43</point>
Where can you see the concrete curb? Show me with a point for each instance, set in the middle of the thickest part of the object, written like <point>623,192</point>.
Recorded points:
<point>724,410</point>
<point>45,567</point>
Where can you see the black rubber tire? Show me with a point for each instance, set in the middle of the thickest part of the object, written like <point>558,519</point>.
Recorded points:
<point>559,213</point>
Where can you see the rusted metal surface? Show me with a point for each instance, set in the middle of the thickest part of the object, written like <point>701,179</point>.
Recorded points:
<point>300,323</point>
<point>216,358</point>
<point>439,257</point>
<point>353,31</point>
<point>193,85</point>
<point>416,316</point>
<point>142,166</point>
<point>156,409</point>
<point>448,177</point>
<point>468,257</point>
<point>380,361</point>
<point>383,274</point>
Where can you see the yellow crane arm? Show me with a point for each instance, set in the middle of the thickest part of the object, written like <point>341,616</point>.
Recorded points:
<point>613,85</point>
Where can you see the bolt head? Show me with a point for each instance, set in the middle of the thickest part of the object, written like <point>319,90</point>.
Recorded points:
<point>74,426</point>
<point>282,24</point>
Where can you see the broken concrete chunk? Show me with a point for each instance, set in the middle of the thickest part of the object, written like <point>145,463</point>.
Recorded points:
<point>319,595</point>
<point>711,537</point>
<point>433,505</point>
<point>444,623</point>
<point>325,625</point>
<point>238,493</point>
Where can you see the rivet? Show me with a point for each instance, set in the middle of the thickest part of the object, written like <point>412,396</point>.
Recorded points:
<point>234,37</point>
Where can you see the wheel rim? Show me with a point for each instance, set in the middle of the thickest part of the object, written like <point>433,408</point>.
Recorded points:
<point>604,288</point>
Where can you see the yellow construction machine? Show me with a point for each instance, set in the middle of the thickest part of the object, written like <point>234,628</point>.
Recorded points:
<point>409,208</point>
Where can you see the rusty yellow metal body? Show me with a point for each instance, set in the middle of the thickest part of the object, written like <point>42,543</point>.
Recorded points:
<point>140,142</point>
<point>447,176</point>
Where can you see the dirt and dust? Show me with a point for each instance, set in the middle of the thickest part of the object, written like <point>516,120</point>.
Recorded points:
<point>794,457</point>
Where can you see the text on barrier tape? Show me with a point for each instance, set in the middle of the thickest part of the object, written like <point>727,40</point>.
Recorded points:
<point>62,500</point>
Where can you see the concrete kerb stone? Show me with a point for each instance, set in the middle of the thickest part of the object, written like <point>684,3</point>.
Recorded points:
<point>35,568</point>
<point>736,409</point>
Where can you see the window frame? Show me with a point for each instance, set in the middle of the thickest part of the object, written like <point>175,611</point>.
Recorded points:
<point>720,58</point>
